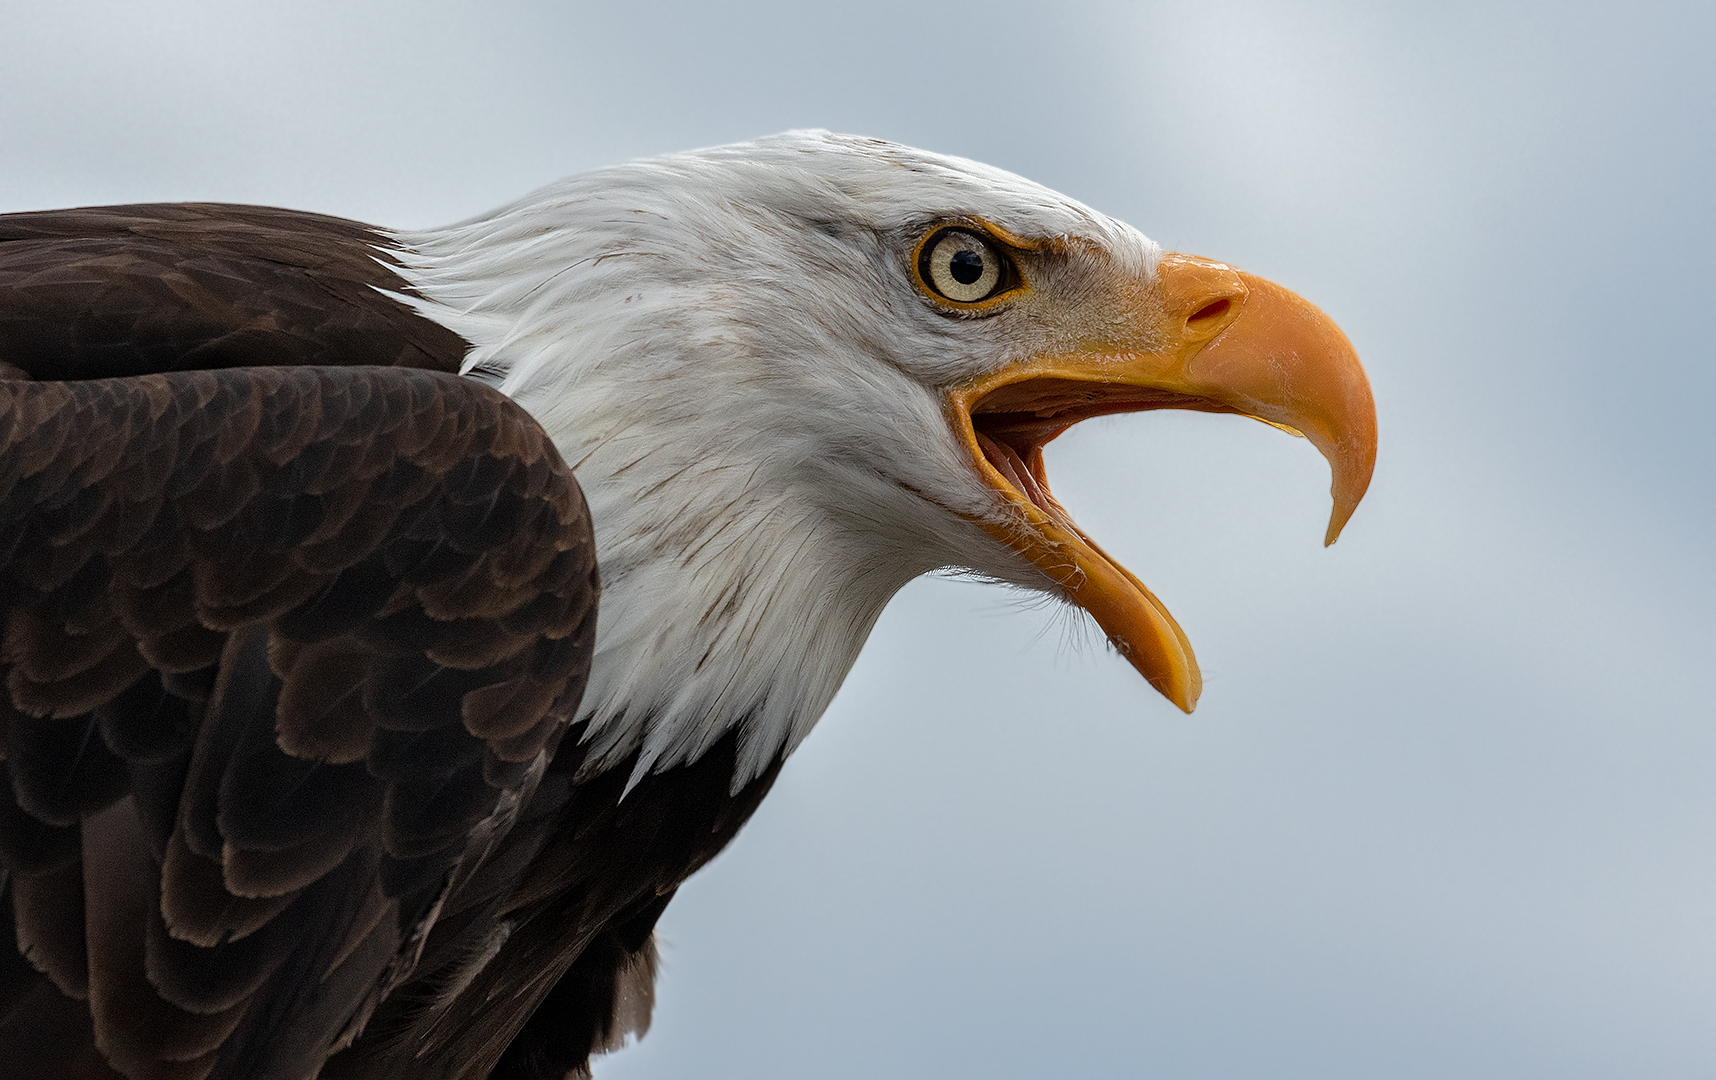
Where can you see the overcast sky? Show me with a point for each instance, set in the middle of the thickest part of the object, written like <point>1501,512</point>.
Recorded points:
<point>1448,807</point>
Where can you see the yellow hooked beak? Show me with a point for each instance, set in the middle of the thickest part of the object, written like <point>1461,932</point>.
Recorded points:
<point>1201,336</point>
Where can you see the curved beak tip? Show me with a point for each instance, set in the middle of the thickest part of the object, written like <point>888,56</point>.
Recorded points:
<point>1339,515</point>
<point>1287,363</point>
<point>1351,462</point>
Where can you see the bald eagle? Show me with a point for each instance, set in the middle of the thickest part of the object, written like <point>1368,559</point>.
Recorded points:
<point>319,761</point>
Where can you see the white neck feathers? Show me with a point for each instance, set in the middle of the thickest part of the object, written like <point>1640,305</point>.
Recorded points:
<point>748,531</point>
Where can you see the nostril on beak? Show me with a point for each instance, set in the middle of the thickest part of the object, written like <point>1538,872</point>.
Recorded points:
<point>1208,314</point>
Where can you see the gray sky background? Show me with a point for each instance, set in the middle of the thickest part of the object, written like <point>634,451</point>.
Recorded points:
<point>1448,806</point>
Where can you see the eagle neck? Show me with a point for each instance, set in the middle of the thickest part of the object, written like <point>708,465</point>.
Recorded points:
<point>742,563</point>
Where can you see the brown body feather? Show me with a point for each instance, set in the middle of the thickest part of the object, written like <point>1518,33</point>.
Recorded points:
<point>290,654</point>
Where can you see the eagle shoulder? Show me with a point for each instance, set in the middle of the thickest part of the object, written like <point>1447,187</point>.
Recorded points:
<point>295,625</point>
<point>286,648</point>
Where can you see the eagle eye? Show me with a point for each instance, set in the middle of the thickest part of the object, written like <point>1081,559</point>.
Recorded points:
<point>959,265</point>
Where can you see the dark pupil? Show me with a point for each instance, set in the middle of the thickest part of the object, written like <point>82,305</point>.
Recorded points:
<point>966,267</point>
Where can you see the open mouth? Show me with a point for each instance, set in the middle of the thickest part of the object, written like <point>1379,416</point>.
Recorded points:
<point>1263,353</point>
<point>1013,423</point>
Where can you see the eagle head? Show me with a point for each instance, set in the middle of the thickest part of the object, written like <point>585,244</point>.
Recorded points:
<point>793,374</point>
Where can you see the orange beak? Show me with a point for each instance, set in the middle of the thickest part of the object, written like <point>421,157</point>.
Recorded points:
<point>1201,336</point>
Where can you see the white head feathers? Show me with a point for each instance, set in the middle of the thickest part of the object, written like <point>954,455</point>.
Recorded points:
<point>728,349</point>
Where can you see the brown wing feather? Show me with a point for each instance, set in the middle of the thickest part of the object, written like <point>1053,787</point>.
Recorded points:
<point>318,817</point>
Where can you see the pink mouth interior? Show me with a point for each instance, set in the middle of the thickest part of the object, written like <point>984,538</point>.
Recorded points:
<point>1026,479</point>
